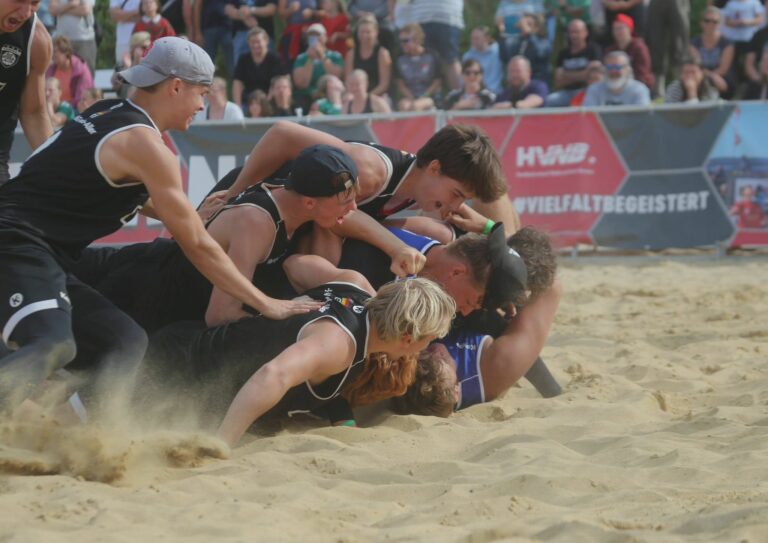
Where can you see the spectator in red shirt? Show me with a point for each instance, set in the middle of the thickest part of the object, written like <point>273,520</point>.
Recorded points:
<point>336,23</point>
<point>749,212</point>
<point>151,21</point>
<point>639,56</point>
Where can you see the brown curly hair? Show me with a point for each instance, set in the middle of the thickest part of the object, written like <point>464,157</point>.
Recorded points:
<point>381,378</point>
<point>540,260</point>
<point>432,391</point>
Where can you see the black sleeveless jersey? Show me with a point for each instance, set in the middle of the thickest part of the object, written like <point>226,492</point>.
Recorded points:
<point>398,164</point>
<point>15,50</point>
<point>214,363</point>
<point>61,194</point>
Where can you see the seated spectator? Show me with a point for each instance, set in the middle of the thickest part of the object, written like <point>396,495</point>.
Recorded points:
<point>247,15</point>
<point>138,46</point>
<point>88,98</point>
<point>758,90</point>
<point>298,16</point>
<point>259,105</point>
<point>521,91</point>
<point>336,23</point>
<point>741,20</point>
<point>486,51</point>
<point>281,97</point>
<point>329,96</point>
<point>619,88</point>
<point>631,10</point>
<point>692,87</point>
<point>531,42</point>
<point>472,94</point>
<point>635,48</point>
<point>716,53</point>
<point>753,55</point>
<point>418,75</point>
<point>71,71</point>
<point>151,21</point>
<point>595,74</point>
<point>370,56</point>
<point>572,62</point>
<point>748,212</point>
<point>218,108</point>
<point>59,111</point>
<point>359,100</point>
<point>379,10</point>
<point>314,63</point>
<point>256,68</point>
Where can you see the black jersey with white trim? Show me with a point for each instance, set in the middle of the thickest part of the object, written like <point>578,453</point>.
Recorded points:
<point>216,362</point>
<point>399,164</point>
<point>15,48</point>
<point>62,194</point>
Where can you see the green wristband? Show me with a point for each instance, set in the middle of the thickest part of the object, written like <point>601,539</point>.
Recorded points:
<point>488,227</point>
<point>348,423</point>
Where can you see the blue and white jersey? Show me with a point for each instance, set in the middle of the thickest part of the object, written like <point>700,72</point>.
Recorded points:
<point>466,348</point>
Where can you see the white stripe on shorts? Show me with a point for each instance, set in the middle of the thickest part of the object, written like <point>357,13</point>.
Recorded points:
<point>26,311</point>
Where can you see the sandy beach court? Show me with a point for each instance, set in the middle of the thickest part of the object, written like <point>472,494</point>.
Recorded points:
<point>661,435</point>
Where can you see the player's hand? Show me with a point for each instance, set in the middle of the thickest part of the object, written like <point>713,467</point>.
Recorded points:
<point>407,261</point>
<point>282,309</point>
<point>212,204</point>
<point>468,219</point>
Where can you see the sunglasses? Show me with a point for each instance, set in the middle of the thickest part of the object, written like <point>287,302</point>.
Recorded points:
<point>614,67</point>
<point>406,40</point>
<point>711,21</point>
<point>473,72</point>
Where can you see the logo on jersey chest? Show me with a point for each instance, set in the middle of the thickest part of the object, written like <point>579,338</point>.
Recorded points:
<point>16,299</point>
<point>9,56</point>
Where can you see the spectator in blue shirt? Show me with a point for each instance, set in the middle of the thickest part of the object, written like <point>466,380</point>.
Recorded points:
<point>486,51</point>
<point>521,91</point>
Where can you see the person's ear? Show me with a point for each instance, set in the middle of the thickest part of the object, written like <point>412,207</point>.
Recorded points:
<point>309,203</point>
<point>434,167</point>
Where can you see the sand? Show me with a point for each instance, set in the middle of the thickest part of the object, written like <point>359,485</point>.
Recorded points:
<point>661,435</point>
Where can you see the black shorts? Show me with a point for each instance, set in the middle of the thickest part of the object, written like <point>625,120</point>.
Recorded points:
<point>31,280</point>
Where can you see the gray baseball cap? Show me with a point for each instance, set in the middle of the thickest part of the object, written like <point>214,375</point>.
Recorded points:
<point>171,57</point>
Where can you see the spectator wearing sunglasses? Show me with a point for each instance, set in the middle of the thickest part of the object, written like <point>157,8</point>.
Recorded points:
<point>619,88</point>
<point>716,53</point>
<point>473,94</point>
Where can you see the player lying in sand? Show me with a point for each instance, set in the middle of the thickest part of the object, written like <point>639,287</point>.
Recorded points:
<point>456,164</point>
<point>357,345</point>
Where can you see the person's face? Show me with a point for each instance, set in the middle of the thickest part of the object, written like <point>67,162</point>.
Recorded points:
<point>188,100</point>
<point>367,34</point>
<point>691,71</point>
<point>254,109</point>
<point>439,193</point>
<point>282,90</point>
<point>525,24</point>
<point>59,57</point>
<point>140,49</point>
<point>457,282</point>
<point>621,33</point>
<point>518,74</point>
<point>616,68</point>
<point>316,38</point>
<point>149,7</point>
<point>14,13</point>
<point>408,44</point>
<point>356,84</point>
<point>473,74</point>
<point>747,194</point>
<point>334,86</point>
<point>478,40</point>
<point>577,32</point>
<point>52,91</point>
<point>258,45</point>
<point>710,23</point>
<point>331,211</point>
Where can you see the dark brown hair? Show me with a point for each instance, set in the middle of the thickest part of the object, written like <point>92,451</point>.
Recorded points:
<point>466,154</point>
<point>432,391</point>
<point>540,260</point>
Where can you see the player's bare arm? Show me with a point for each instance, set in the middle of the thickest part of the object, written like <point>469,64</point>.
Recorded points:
<point>33,114</point>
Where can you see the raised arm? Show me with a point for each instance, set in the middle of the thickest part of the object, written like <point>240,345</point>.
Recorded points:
<point>139,153</point>
<point>33,111</point>
<point>323,350</point>
<point>281,143</point>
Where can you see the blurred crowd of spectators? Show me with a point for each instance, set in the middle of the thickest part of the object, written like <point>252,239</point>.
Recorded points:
<point>327,57</point>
